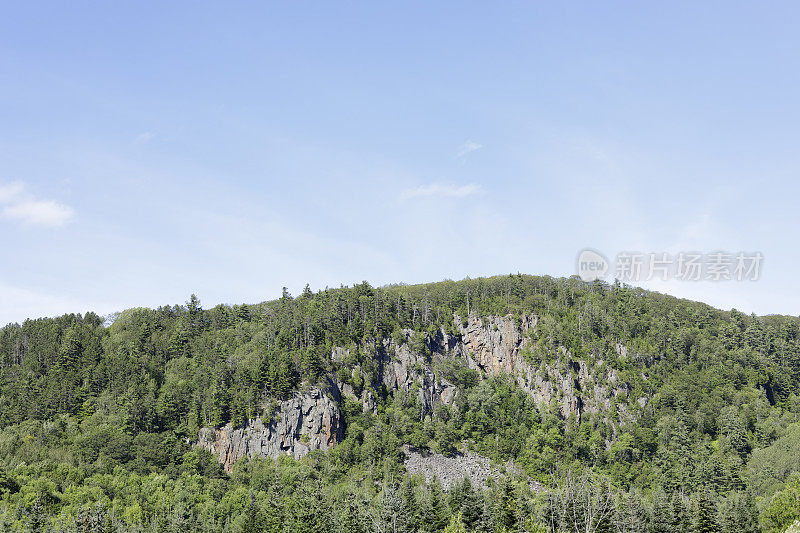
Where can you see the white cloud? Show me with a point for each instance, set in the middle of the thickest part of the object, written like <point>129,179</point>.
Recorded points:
<point>437,189</point>
<point>29,210</point>
<point>39,213</point>
<point>467,147</point>
<point>142,138</point>
<point>10,191</point>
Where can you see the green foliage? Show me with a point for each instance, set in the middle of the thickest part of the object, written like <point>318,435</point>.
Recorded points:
<point>698,418</point>
<point>784,507</point>
<point>706,516</point>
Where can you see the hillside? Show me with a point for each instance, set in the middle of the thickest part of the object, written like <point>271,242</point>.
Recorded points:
<point>294,414</point>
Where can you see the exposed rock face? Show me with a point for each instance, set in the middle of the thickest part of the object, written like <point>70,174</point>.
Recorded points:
<point>406,370</point>
<point>304,423</point>
<point>402,369</point>
<point>494,345</point>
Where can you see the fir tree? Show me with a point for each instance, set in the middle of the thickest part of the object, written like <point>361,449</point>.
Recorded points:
<point>660,519</point>
<point>706,516</point>
<point>739,514</point>
<point>437,515</point>
<point>681,519</point>
<point>506,506</point>
<point>471,505</point>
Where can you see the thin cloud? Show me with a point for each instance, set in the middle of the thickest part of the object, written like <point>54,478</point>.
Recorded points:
<point>39,213</point>
<point>467,147</point>
<point>437,189</point>
<point>10,191</point>
<point>30,211</point>
<point>145,137</point>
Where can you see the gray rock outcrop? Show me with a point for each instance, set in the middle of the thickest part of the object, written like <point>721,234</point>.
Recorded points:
<point>416,364</point>
<point>311,421</point>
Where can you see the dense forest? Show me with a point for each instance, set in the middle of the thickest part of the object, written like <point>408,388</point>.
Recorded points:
<point>98,415</point>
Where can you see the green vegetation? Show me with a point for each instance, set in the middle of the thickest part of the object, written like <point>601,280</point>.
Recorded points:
<point>96,421</point>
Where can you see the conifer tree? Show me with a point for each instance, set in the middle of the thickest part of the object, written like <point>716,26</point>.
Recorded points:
<point>681,519</point>
<point>471,505</point>
<point>706,517</point>
<point>660,519</point>
<point>456,525</point>
<point>506,505</point>
<point>415,517</point>
<point>437,515</point>
<point>739,514</point>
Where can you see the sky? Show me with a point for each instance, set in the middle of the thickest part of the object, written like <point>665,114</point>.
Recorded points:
<point>150,150</point>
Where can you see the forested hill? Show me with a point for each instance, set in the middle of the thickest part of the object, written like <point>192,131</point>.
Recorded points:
<point>668,412</point>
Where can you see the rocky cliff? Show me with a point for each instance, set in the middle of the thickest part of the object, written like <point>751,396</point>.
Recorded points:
<point>499,345</point>
<point>406,362</point>
<point>310,421</point>
<point>493,346</point>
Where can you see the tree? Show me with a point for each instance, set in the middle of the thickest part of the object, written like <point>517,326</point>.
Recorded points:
<point>456,525</point>
<point>706,517</point>
<point>471,505</point>
<point>390,514</point>
<point>739,514</point>
<point>506,505</point>
<point>437,515</point>
<point>681,520</point>
<point>630,514</point>
<point>415,518</point>
<point>252,520</point>
<point>784,506</point>
<point>581,501</point>
<point>660,519</point>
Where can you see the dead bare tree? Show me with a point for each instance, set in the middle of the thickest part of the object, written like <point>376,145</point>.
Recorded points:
<point>581,502</point>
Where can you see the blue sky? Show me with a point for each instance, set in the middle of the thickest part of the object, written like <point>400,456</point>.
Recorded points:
<point>152,150</point>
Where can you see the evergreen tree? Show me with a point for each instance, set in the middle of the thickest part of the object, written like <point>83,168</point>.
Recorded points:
<point>660,519</point>
<point>631,517</point>
<point>506,505</point>
<point>706,516</point>
<point>471,505</point>
<point>415,518</point>
<point>681,519</point>
<point>437,515</point>
<point>739,514</point>
<point>456,525</point>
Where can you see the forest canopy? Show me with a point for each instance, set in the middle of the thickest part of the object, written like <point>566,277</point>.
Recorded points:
<point>98,416</point>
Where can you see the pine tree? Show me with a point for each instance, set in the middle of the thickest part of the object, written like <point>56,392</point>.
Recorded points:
<point>456,525</point>
<point>312,363</point>
<point>660,519</point>
<point>350,519</point>
<point>415,518</point>
<point>195,315</point>
<point>454,498</point>
<point>706,518</point>
<point>252,520</point>
<point>681,520</point>
<point>70,352</point>
<point>630,515</point>
<point>471,505</point>
<point>739,514</point>
<point>437,515</point>
<point>507,506</point>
